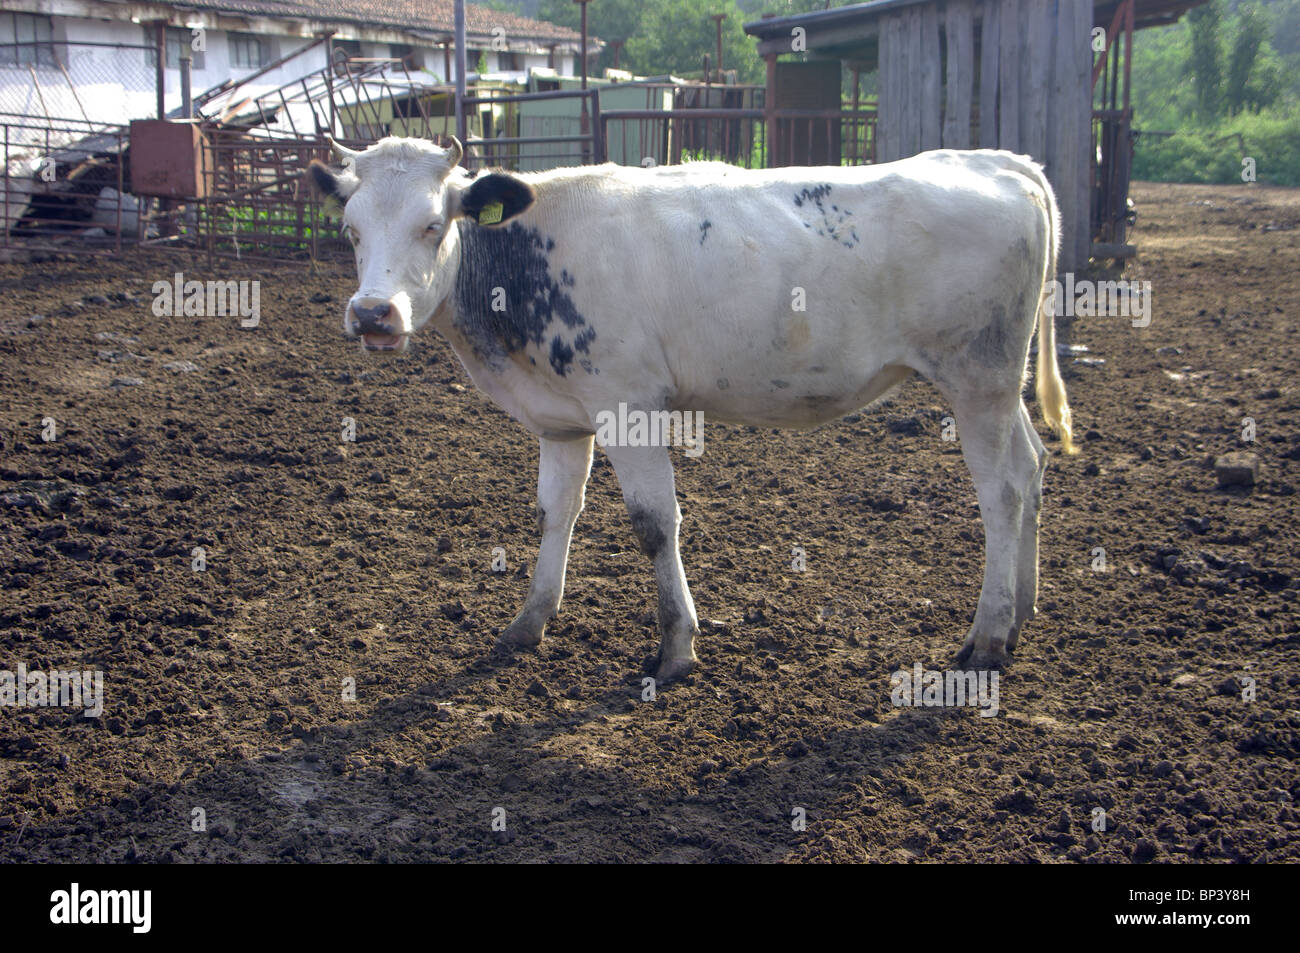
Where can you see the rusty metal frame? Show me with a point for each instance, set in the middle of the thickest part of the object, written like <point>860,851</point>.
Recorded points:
<point>58,214</point>
<point>1112,136</point>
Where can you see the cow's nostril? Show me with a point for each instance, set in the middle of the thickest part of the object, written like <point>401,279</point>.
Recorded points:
<point>373,319</point>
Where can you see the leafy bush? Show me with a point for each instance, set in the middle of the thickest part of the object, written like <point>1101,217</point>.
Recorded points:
<point>1215,155</point>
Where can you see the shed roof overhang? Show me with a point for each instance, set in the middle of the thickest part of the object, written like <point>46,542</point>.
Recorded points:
<point>850,33</point>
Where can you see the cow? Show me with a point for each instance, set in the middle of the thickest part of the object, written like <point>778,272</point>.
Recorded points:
<point>781,298</point>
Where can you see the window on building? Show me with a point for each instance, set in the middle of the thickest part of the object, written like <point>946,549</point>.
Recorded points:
<point>248,51</point>
<point>26,40</point>
<point>180,42</point>
<point>510,62</point>
<point>401,51</point>
<point>344,50</point>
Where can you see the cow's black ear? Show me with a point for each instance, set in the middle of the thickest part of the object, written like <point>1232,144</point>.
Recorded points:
<point>332,187</point>
<point>496,198</point>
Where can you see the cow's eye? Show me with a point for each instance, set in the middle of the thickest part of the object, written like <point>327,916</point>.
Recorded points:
<point>434,229</point>
<point>351,235</point>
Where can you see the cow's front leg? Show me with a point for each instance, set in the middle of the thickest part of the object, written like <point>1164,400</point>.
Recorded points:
<point>561,483</point>
<point>646,476</point>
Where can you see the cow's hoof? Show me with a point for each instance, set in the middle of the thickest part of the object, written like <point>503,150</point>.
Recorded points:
<point>971,659</point>
<point>517,637</point>
<point>674,669</point>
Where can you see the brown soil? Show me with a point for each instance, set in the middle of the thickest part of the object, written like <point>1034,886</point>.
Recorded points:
<point>370,561</point>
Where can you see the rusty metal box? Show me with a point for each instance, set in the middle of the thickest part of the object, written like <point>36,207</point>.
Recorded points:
<point>170,158</point>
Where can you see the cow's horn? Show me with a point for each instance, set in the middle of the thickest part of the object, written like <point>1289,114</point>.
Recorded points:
<point>455,152</point>
<point>341,153</point>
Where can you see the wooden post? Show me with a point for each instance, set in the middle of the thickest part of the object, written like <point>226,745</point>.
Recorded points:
<point>461,69</point>
<point>1082,115</point>
<point>583,5</point>
<point>887,100</point>
<point>931,104</point>
<point>1063,132</point>
<point>990,53</point>
<point>1009,77</point>
<point>769,110</point>
<point>1037,57</point>
<point>960,23</point>
<point>907,69</point>
<point>585,118</point>
<point>717,19</point>
<point>857,128</point>
<point>160,74</point>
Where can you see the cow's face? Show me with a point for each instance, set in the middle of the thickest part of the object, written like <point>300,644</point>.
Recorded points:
<point>400,199</point>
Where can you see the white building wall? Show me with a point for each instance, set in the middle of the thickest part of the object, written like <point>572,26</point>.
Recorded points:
<point>117,85</point>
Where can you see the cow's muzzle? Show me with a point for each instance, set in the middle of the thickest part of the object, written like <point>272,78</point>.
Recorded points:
<point>376,324</point>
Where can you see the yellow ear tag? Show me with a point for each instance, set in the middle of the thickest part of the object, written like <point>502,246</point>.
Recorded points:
<point>491,213</point>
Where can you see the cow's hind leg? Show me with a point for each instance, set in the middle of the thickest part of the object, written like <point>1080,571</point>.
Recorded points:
<point>1027,556</point>
<point>1005,466</point>
<point>561,482</point>
<point>646,476</point>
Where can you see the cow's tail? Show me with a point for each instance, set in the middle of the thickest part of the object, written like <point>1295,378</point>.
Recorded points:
<point>1048,384</point>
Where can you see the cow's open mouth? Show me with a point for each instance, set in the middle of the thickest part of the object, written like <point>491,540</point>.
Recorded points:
<point>384,342</point>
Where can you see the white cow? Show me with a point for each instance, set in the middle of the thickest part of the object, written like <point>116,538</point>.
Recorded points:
<point>781,298</point>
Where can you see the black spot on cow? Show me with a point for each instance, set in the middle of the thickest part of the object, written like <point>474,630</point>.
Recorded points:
<point>648,532</point>
<point>834,220</point>
<point>704,230</point>
<point>514,258</point>
<point>813,196</point>
<point>992,346</point>
<point>561,356</point>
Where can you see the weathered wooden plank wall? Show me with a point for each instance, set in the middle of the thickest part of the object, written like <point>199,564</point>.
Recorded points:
<point>912,52</point>
<point>990,42</point>
<point>1010,48</point>
<point>931,84</point>
<point>887,95</point>
<point>959,25</point>
<point>1075,25</point>
<point>1063,135</point>
<point>1032,72</point>
<point>1035,57</point>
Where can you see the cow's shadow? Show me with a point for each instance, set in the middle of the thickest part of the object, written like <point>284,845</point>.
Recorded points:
<point>519,789</point>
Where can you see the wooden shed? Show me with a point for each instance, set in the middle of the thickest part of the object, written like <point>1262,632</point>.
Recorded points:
<point>1043,77</point>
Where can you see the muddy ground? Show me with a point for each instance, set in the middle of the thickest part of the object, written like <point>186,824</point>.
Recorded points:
<point>371,561</point>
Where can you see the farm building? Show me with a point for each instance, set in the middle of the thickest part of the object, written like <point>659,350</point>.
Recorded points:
<point>1043,77</point>
<point>95,59</point>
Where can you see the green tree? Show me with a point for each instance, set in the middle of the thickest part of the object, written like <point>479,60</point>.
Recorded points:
<point>607,19</point>
<point>1206,63</point>
<point>664,36</point>
<point>1251,33</point>
<point>676,35</point>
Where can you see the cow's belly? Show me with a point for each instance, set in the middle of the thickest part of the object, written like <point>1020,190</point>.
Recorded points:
<point>797,399</point>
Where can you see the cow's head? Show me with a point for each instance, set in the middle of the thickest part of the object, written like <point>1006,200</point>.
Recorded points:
<point>400,199</point>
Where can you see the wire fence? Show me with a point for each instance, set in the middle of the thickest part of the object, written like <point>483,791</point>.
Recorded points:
<point>105,84</point>
<point>64,184</point>
<point>65,109</point>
